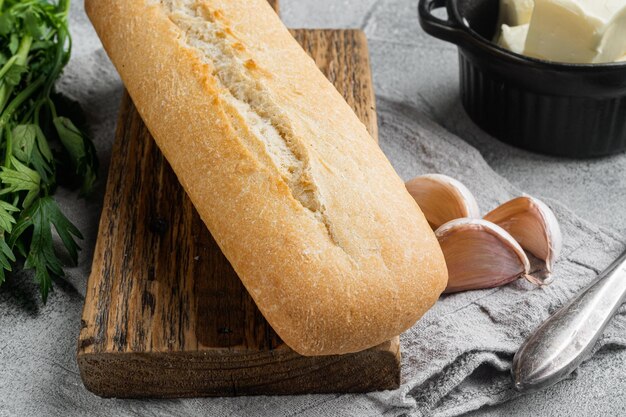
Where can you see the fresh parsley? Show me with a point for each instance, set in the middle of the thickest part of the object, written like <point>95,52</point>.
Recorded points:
<point>39,142</point>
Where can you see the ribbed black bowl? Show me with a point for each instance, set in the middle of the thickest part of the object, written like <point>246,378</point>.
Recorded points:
<point>574,110</point>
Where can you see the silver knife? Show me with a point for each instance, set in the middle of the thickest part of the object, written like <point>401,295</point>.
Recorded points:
<point>567,338</point>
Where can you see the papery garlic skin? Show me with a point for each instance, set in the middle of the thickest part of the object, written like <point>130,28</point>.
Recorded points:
<point>480,254</point>
<point>442,198</point>
<point>533,224</point>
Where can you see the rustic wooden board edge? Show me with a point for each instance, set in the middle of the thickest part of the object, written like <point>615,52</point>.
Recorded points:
<point>187,375</point>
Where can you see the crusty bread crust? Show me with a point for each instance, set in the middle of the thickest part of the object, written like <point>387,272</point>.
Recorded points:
<point>303,203</point>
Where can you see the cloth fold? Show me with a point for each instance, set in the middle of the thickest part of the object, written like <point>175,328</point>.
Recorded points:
<point>456,359</point>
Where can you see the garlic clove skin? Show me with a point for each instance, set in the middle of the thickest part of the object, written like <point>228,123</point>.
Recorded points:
<point>533,225</point>
<point>480,254</point>
<point>442,199</point>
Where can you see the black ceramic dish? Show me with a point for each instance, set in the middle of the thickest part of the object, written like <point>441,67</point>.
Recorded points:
<point>575,110</point>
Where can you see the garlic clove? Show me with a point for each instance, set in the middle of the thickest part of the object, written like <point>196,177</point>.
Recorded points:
<point>533,225</point>
<point>480,254</point>
<point>442,199</point>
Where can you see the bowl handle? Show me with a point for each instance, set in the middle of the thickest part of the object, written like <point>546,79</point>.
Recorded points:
<point>448,30</point>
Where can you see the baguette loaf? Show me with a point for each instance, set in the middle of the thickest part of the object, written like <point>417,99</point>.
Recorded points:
<point>303,203</point>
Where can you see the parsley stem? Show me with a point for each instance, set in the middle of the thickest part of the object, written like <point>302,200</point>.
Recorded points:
<point>64,6</point>
<point>59,60</point>
<point>19,100</point>
<point>23,49</point>
<point>21,56</point>
<point>9,147</point>
<point>6,67</point>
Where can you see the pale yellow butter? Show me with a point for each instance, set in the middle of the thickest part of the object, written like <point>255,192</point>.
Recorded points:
<point>613,43</point>
<point>513,38</point>
<point>573,31</point>
<point>577,31</point>
<point>560,30</point>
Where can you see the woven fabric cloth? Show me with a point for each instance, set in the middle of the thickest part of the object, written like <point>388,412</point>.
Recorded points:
<point>456,359</point>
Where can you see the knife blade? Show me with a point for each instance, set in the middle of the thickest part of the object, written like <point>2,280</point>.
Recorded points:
<point>559,345</point>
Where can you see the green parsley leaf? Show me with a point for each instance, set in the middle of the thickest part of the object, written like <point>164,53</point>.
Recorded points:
<point>41,216</point>
<point>33,24</point>
<point>6,23</point>
<point>35,120</point>
<point>6,258</point>
<point>20,178</point>
<point>81,151</point>
<point>14,74</point>
<point>14,43</point>
<point>24,139</point>
<point>42,145</point>
<point>6,218</point>
<point>41,45</point>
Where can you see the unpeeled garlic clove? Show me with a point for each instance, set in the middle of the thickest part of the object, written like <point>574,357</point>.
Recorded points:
<point>442,198</point>
<point>480,254</point>
<point>533,225</point>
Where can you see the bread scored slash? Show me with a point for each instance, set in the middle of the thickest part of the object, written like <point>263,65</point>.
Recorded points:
<point>316,223</point>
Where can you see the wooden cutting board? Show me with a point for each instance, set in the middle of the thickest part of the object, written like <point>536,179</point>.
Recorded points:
<point>165,314</point>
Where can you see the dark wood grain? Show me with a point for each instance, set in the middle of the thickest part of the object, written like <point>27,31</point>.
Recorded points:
<point>165,314</point>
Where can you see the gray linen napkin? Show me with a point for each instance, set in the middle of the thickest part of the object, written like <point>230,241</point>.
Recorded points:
<point>456,359</point>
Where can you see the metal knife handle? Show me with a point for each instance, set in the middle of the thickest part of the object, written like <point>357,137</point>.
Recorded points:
<point>565,339</point>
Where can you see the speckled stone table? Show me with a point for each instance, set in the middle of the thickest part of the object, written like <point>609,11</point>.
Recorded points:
<point>416,83</point>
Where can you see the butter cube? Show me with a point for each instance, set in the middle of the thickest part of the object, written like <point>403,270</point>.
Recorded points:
<point>577,31</point>
<point>613,44</point>
<point>514,38</point>
<point>560,30</point>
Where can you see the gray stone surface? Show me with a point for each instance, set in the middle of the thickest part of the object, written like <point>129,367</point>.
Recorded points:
<point>456,359</point>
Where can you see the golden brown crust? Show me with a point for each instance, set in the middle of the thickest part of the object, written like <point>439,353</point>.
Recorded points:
<point>317,224</point>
